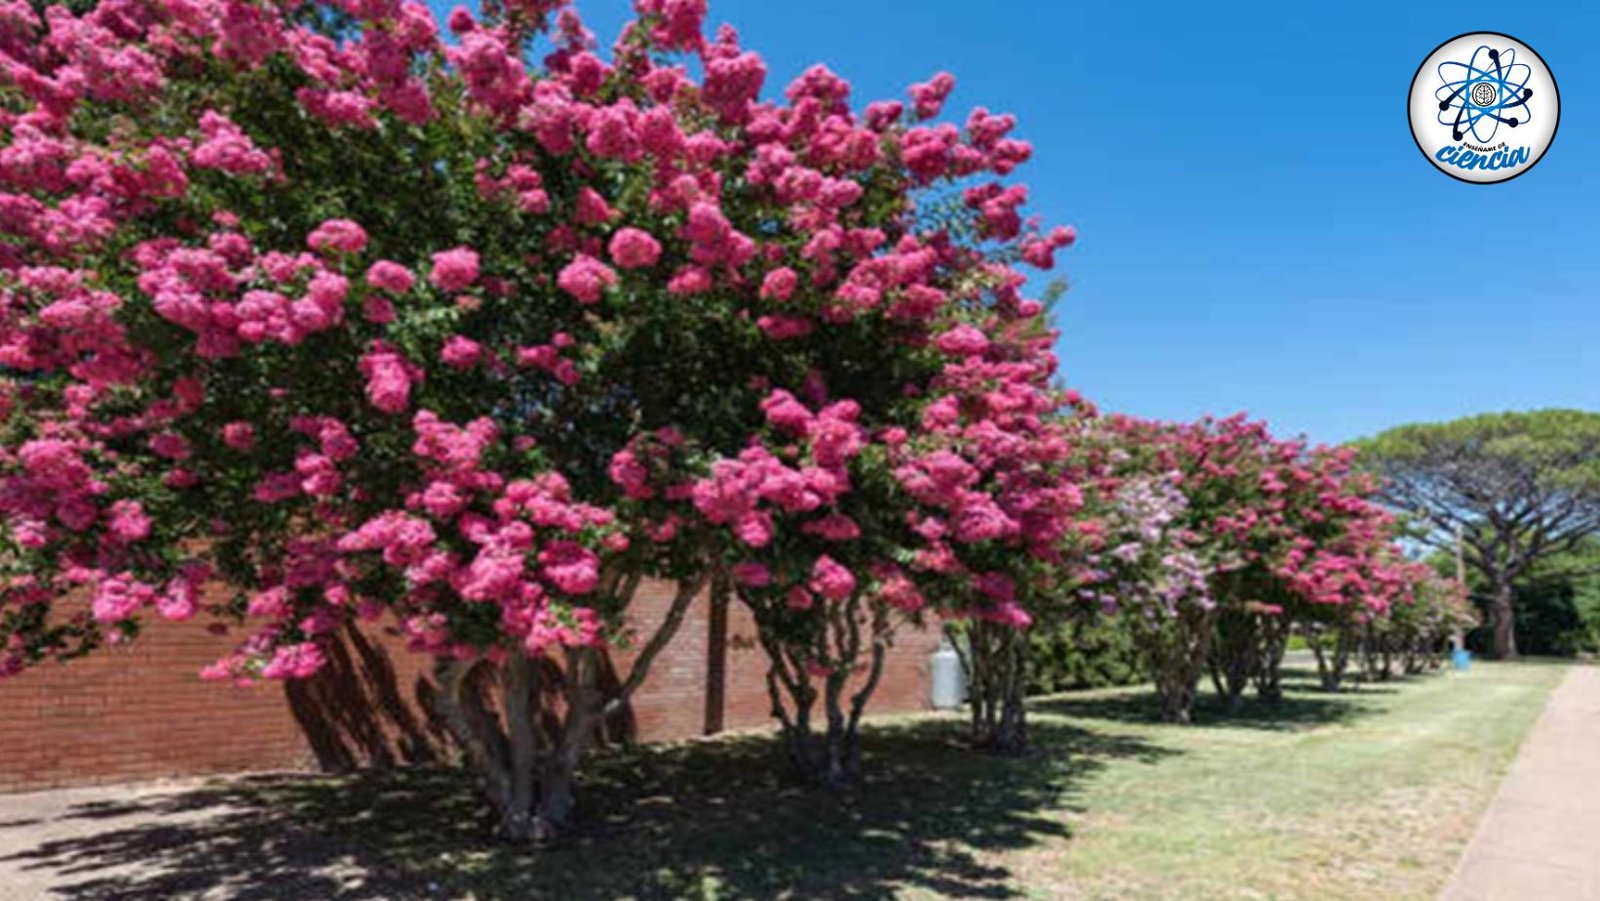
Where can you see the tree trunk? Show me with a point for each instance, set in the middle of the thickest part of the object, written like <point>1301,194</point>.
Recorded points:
<point>1175,694</point>
<point>1274,632</point>
<point>529,776</point>
<point>831,759</point>
<point>559,767</point>
<point>486,746</point>
<point>1233,655</point>
<point>557,799</point>
<point>1331,661</point>
<point>996,663</point>
<point>1502,618</point>
<point>1367,652</point>
<point>1175,650</point>
<point>1413,658</point>
<point>517,680</point>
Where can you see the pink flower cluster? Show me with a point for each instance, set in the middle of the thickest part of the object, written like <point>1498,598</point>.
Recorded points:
<point>389,378</point>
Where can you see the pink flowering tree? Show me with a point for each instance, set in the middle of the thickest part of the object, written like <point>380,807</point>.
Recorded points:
<point>472,337</point>
<point>814,536</point>
<point>1217,467</point>
<point>1236,479</point>
<point>1341,570</point>
<point>1263,505</point>
<point>997,479</point>
<point>1422,621</point>
<point>1354,581</point>
<point>855,509</point>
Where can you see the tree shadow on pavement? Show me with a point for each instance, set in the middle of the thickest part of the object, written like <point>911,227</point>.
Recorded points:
<point>208,842</point>
<point>700,819</point>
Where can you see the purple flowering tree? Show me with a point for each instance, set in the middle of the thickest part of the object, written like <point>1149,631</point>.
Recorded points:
<point>1154,574</point>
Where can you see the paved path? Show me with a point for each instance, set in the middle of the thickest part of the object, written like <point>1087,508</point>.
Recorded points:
<point>1540,839</point>
<point>175,841</point>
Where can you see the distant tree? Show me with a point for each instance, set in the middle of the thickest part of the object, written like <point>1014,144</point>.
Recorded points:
<point>1557,603</point>
<point>1521,489</point>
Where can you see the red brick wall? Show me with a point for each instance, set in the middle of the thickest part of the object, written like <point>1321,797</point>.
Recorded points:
<point>141,712</point>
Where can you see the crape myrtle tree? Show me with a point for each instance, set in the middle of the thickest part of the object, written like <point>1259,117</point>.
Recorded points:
<point>1149,570</point>
<point>471,338</point>
<point>1424,611</point>
<point>1517,488</point>
<point>998,477</point>
<point>1348,583</point>
<point>1375,636</point>
<point>1324,525</point>
<point>1423,620</point>
<point>1384,635</point>
<point>1223,469</point>
<point>1162,488</point>
<point>913,477</point>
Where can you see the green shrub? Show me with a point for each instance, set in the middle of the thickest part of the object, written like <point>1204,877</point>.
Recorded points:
<point>1089,651</point>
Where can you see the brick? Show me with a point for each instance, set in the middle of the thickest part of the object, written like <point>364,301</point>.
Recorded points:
<point>141,712</point>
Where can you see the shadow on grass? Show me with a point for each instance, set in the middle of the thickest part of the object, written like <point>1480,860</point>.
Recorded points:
<point>694,820</point>
<point>1303,705</point>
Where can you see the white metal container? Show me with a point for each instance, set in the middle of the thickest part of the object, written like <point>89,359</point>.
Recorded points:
<point>947,684</point>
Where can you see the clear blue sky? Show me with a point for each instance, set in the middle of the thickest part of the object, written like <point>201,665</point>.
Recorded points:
<point>1257,229</point>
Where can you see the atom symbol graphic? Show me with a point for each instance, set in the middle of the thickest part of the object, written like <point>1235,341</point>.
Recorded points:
<point>1478,98</point>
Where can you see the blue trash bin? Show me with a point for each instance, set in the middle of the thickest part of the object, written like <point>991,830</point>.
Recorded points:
<point>1462,658</point>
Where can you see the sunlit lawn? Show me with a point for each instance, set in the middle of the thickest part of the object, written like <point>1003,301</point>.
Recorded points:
<point>1369,794</point>
<point>1365,794</point>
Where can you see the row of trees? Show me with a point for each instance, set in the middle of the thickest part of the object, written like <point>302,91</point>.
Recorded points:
<point>475,335</point>
<point>1210,544</point>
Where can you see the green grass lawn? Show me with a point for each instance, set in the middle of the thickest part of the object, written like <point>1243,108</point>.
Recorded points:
<point>1369,794</point>
<point>1364,794</point>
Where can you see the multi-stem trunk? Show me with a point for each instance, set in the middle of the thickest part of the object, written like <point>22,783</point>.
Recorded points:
<point>1414,658</point>
<point>1377,663</point>
<point>529,773</point>
<point>1331,645</point>
<point>832,655</point>
<point>1436,650</point>
<point>995,660</point>
<point>1366,653</point>
<point>1174,647</point>
<point>1272,632</point>
<point>1234,654</point>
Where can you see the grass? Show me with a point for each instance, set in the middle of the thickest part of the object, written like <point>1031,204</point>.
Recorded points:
<point>1371,794</point>
<point>1363,794</point>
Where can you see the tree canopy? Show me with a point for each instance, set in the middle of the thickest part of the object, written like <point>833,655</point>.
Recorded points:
<point>471,336</point>
<point>1518,488</point>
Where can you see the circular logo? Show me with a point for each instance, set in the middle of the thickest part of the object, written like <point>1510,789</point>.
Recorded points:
<point>1484,107</point>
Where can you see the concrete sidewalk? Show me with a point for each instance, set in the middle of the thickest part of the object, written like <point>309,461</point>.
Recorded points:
<point>184,839</point>
<point>1540,838</point>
